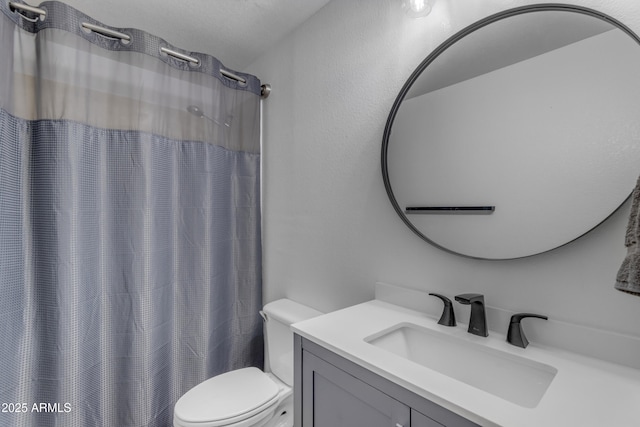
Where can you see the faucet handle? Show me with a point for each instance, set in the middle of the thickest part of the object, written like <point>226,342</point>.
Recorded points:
<point>515,335</point>
<point>448,317</point>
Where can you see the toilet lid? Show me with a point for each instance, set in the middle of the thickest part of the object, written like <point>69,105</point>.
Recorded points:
<point>225,396</point>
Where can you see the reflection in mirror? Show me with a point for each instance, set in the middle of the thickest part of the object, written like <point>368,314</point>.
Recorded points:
<point>536,114</point>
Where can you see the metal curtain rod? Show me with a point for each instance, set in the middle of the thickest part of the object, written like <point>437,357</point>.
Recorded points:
<point>26,8</point>
<point>106,32</point>
<point>265,88</point>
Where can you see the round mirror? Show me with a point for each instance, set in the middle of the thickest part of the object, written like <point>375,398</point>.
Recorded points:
<point>517,135</point>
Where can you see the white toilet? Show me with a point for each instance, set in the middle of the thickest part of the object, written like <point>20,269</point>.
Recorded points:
<point>249,397</point>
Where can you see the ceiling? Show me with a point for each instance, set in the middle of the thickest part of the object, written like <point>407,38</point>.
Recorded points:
<point>234,31</point>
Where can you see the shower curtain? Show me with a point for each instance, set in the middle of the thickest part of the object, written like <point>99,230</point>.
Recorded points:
<point>130,252</point>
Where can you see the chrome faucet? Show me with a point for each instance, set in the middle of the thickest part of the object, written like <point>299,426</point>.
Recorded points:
<point>478,319</point>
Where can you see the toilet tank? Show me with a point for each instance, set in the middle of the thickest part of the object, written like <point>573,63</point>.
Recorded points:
<point>279,316</point>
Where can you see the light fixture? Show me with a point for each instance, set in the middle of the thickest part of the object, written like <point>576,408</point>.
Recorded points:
<point>417,8</point>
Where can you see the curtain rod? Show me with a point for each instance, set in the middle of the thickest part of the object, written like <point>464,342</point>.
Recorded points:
<point>265,89</point>
<point>25,7</point>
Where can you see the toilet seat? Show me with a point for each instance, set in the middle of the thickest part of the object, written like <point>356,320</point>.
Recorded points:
<point>227,399</point>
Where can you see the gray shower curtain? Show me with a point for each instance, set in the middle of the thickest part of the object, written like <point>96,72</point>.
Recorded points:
<point>130,252</point>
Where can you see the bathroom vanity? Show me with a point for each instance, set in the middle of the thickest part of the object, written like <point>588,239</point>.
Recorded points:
<point>336,392</point>
<point>380,364</point>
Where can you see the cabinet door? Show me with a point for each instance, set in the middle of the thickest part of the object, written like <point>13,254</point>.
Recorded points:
<point>420,420</point>
<point>334,398</point>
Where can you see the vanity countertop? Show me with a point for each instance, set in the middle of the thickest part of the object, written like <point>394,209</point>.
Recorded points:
<point>585,391</point>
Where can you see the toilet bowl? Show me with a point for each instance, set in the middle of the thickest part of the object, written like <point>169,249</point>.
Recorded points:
<point>249,397</point>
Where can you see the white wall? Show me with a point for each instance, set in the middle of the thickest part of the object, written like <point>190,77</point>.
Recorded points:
<point>329,230</point>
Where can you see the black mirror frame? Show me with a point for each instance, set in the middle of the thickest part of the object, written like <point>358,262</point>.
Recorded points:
<point>439,50</point>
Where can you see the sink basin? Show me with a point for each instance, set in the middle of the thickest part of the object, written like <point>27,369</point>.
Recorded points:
<point>508,376</point>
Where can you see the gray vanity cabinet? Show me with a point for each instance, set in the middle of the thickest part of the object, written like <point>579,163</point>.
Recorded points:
<point>419,420</point>
<point>330,391</point>
<point>338,399</point>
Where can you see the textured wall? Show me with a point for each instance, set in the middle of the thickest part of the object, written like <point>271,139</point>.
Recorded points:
<point>329,230</point>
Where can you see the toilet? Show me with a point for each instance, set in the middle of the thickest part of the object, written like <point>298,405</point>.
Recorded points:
<point>249,397</point>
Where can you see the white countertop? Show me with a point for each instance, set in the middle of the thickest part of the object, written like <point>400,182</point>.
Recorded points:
<point>585,391</point>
